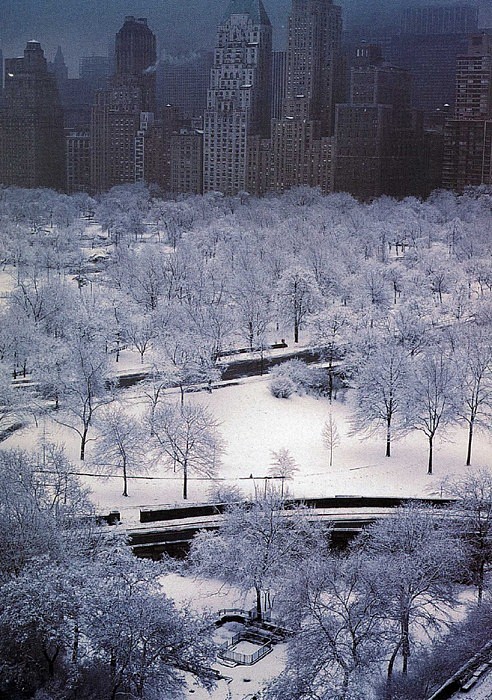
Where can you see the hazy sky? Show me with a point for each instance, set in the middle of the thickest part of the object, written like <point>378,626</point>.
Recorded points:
<point>84,27</point>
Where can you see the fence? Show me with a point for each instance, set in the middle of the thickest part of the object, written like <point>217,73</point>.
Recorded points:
<point>226,651</point>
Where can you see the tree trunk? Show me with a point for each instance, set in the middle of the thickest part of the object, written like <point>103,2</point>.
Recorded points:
<point>388,437</point>
<point>83,442</point>
<point>470,440</point>
<point>345,685</point>
<point>51,661</point>
<point>330,383</point>
<point>389,675</point>
<point>405,641</point>
<point>125,479</point>
<point>258,602</point>
<point>75,647</point>
<point>185,481</point>
<point>296,331</point>
<point>429,467</point>
<point>481,580</point>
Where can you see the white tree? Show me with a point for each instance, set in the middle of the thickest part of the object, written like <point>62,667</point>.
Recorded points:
<point>381,387</point>
<point>474,370</point>
<point>330,331</point>
<point>83,389</point>
<point>338,624</point>
<point>432,396</point>
<point>471,514</point>
<point>331,436</point>
<point>255,547</point>
<point>141,331</point>
<point>121,443</point>
<point>416,559</point>
<point>188,439</point>
<point>298,295</point>
<point>283,465</point>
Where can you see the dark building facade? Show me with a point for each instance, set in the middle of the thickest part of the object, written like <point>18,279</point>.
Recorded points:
<point>135,58</point>
<point>300,139</point>
<point>118,129</point>
<point>428,45</point>
<point>279,83</point>
<point>468,138</point>
<point>32,150</point>
<point>183,83</point>
<point>378,137</point>
<point>77,161</point>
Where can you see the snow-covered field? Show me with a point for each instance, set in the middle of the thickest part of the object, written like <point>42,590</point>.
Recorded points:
<point>252,424</point>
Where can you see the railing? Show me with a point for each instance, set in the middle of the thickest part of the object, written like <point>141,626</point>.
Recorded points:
<point>226,651</point>
<point>251,614</point>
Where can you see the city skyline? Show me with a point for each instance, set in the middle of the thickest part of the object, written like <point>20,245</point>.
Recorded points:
<point>56,25</point>
<point>346,116</point>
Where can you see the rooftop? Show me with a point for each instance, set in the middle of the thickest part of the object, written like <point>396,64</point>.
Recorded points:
<point>254,8</point>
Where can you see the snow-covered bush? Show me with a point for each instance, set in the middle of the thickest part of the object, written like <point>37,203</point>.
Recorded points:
<point>295,376</point>
<point>282,387</point>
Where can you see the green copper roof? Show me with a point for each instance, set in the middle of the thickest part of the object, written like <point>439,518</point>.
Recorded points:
<point>254,8</point>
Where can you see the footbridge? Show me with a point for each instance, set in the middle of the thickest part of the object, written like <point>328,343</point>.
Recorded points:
<point>170,529</point>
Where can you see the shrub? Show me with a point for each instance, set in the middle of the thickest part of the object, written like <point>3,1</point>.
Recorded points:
<point>282,387</point>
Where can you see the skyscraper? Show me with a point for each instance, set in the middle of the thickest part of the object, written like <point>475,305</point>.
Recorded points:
<point>376,134</point>
<point>135,58</point>
<point>468,137</point>
<point>31,123</point>
<point>314,40</point>
<point>430,40</point>
<point>238,103</point>
<point>279,82</point>
<point>116,113</point>
<point>314,83</point>
<point>183,82</point>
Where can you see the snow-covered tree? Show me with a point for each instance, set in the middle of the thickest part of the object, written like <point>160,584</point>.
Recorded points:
<point>338,623</point>
<point>381,387</point>
<point>188,439</point>
<point>121,443</point>
<point>283,465</point>
<point>297,296</point>
<point>432,396</point>
<point>474,372</point>
<point>83,389</point>
<point>255,547</point>
<point>331,436</point>
<point>331,332</point>
<point>416,558</point>
<point>471,515</point>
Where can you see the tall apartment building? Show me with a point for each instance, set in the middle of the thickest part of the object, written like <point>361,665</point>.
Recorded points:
<point>135,59</point>
<point>238,102</point>
<point>31,123</point>
<point>440,19</point>
<point>377,135</point>
<point>279,83</point>
<point>183,82</point>
<point>187,160</point>
<point>116,114</point>
<point>77,161</point>
<point>429,42</point>
<point>301,137</point>
<point>95,72</point>
<point>468,137</point>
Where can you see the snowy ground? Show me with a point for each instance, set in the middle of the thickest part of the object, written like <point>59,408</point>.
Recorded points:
<point>253,423</point>
<point>210,595</point>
